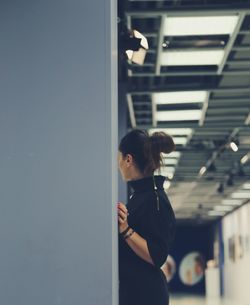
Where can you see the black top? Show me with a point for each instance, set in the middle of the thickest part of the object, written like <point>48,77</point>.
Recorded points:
<point>142,283</point>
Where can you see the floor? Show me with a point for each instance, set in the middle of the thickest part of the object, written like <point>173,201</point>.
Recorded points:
<point>195,300</point>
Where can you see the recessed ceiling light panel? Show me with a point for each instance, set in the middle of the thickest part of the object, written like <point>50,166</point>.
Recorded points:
<point>178,115</point>
<point>205,25</point>
<point>180,97</point>
<point>192,58</point>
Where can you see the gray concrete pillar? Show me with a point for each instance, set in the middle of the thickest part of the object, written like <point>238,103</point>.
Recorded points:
<point>58,161</point>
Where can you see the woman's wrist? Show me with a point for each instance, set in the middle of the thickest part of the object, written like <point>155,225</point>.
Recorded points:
<point>123,232</point>
<point>128,234</point>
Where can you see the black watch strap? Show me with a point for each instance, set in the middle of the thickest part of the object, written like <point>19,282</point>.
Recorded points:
<point>125,231</point>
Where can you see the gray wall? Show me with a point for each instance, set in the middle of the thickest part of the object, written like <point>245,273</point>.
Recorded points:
<point>58,175</point>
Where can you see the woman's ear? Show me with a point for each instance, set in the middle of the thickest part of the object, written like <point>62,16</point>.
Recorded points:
<point>129,160</point>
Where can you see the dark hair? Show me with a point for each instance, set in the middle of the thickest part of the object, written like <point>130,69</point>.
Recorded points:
<point>145,149</point>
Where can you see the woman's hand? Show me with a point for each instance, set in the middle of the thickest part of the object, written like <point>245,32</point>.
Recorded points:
<point>122,216</point>
<point>136,242</point>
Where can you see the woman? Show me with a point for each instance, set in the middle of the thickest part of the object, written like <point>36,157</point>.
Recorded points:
<point>147,223</point>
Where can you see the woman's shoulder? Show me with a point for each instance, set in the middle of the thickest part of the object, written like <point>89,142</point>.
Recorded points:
<point>151,202</point>
<point>155,196</point>
<point>156,203</point>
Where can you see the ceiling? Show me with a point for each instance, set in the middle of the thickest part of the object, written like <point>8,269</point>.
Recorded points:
<point>195,85</point>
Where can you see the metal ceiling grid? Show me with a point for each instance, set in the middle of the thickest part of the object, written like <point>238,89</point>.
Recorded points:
<point>225,112</point>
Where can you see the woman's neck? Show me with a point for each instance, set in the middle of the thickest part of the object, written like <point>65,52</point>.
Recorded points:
<point>136,175</point>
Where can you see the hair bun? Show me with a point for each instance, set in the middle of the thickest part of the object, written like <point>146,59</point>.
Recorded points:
<point>162,142</point>
<point>146,150</point>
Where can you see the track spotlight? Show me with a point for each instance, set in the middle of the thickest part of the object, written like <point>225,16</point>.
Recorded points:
<point>234,146</point>
<point>244,159</point>
<point>200,206</point>
<point>230,181</point>
<point>241,172</point>
<point>220,188</point>
<point>133,44</point>
<point>137,47</point>
<point>212,168</point>
<point>203,170</point>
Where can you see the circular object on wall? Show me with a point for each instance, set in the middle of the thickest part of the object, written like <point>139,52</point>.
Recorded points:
<point>169,268</point>
<point>192,268</point>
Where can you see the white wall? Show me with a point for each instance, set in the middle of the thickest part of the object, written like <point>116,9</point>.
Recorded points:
<point>237,273</point>
<point>58,163</point>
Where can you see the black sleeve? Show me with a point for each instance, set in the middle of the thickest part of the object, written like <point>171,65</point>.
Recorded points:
<point>160,228</point>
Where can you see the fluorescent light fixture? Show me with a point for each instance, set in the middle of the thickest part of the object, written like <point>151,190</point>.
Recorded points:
<point>180,97</point>
<point>168,169</point>
<point>244,159</point>
<point>246,186</point>
<point>232,202</point>
<point>192,58</point>
<point>203,170</point>
<point>173,131</point>
<point>166,185</point>
<point>241,194</point>
<point>174,154</point>
<point>223,208</point>
<point>138,56</point>
<point>180,140</point>
<point>205,25</point>
<point>216,213</point>
<point>165,170</point>
<point>178,115</point>
<point>234,146</point>
<point>170,161</point>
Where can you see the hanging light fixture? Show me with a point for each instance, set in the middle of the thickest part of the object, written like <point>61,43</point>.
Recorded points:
<point>133,44</point>
<point>136,48</point>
